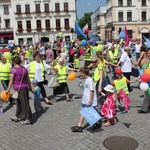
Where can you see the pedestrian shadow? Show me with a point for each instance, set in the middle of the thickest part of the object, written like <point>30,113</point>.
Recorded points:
<point>35,117</point>
<point>7,108</point>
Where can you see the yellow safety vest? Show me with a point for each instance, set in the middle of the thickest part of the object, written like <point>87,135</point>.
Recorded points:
<point>99,47</point>
<point>113,55</point>
<point>76,63</point>
<point>32,70</point>
<point>28,54</point>
<point>121,84</point>
<point>61,74</point>
<point>87,58</point>
<point>5,71</point>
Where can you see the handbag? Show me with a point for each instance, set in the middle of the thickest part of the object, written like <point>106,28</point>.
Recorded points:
<point>90,115</point>
<point>135,72</point>
<point>15,93</point>
<point>53,83</point>
<point>45,82</point>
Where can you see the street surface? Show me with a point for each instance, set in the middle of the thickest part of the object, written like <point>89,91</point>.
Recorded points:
<point>51,130</point>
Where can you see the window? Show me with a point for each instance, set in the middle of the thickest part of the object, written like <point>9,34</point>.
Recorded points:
<point>57,7</point>
<point>130,34</point>
<point>65,6</point>
<point>143,2</point>
<point>19,24</point>
<point>28,24</point>
<point>6,9</point>
<point>7,24</point>
<point>129,2</point>
<point>46,6</point>
<point>27,8</point>
<point>47,24</point>
<point>18,8</point>
<point>20,41</point>
<point>29,41</point>
<point>120,2</point>
<point>57,23</point>
<point>143,16</point>
<point>120,16</point>
<point>37,7</point>
<point>38,23</point>
<point>129,16</point>
<point>66,23</point>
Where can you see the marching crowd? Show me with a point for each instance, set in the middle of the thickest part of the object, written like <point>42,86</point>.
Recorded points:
<point>27,69</point>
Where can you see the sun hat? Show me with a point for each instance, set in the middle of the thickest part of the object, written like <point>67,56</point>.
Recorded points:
<point>118,71</point>
<point>109,88</point>
<point>34,81</point>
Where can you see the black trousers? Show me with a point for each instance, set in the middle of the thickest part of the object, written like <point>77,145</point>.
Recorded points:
<point>22,105</point>
<point>43,93</point>
<point>127,75</point>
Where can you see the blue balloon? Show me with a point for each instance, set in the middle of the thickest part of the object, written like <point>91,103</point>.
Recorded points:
<point>148,83</point>
<point>83,43</point>
<point>68,46</point>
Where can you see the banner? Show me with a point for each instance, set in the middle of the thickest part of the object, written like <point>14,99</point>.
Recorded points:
<point>147,42</point>
<point>122,34</point>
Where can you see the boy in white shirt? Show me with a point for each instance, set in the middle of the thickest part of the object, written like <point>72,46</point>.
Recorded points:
<point>89,97</point>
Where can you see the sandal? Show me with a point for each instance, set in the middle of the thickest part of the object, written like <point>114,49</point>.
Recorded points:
<point>26,122</point>
<point>107,124</point>
<point>16,119</point>
<point>69,100</point>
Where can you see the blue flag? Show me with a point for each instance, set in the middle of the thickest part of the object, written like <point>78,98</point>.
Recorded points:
<point>147,42</point>
<point>122,34</point>
<point>94,39</point>
<point>79,31</point>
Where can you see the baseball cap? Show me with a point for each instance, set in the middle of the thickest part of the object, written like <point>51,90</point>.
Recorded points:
<point>34,81</point>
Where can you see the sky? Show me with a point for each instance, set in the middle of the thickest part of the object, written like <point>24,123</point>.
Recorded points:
<point>84,6</point>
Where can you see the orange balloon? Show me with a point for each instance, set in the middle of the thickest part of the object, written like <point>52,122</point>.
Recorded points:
<point>147,71</point>
<point>5,96</point>
<point>71,76</point>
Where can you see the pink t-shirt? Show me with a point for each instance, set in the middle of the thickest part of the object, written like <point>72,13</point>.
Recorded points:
<point>18,73</point>
<point>49,55</point>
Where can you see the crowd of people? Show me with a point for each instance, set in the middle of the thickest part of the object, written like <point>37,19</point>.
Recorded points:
<point>29,65</point>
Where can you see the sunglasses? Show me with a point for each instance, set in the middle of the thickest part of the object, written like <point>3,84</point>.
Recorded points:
<point>94,62</point>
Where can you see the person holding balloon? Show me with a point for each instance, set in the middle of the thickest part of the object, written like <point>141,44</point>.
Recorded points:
<point>5,68</point>
<point>61,73</point>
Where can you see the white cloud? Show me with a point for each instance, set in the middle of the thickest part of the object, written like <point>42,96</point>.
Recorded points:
<point>88,4</point>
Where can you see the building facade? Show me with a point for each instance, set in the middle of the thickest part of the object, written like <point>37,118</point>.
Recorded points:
<point>130,13</point>
<point>42,19</point>
<point>6,24</point>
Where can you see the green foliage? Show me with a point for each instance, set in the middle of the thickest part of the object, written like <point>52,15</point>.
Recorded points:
<point>85,19</point>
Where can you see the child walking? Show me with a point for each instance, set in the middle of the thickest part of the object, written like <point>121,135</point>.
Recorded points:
<point>122,89</point>
<point>89,97</point>
<point>76,62</point>
<point>109,107</point>
<point>37,90</point>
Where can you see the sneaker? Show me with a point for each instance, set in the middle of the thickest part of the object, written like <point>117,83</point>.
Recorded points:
<point>76,129</point>
<point>26,122</point>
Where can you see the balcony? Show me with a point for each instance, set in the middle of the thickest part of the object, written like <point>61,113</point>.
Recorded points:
<point>58,28</point>
<point>28,29</point>
<point>18,13</point>
<point>67,27</point>
<point>46,11</point>
<point>39,29</point>
<point>65,10</point>
<point>48,28</point>
<point>57,10</point>
<point>27,12</point>
<point>20,30</point>
<point>37,11</point>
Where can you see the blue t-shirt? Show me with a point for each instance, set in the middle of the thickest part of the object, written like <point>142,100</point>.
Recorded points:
<point>37,92</point>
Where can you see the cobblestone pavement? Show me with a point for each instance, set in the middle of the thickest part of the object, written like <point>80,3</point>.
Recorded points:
<point>51,130</point>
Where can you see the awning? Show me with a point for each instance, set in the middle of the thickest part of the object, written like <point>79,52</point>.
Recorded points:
<point>6,35</point>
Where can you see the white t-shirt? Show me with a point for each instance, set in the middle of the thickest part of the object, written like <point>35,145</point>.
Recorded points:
<point>125,62</point>
<point>38,70</point>
<point>137,48</point>
<point>89,86</point>
<point>42,50</point>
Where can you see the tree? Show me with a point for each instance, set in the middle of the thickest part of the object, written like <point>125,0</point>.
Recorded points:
<point>85,19</point>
